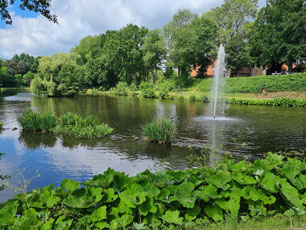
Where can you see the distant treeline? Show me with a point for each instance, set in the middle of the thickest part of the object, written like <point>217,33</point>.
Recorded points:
<point>269,37</point>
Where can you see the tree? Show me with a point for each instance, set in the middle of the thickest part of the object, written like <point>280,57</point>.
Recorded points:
<point>39,6</point>
<point>154,51</point>
<point>177,33</point>
<point>190,41</point>
<point>59,75</point>
<point>278,34</point>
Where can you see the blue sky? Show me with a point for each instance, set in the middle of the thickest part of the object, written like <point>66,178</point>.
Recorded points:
<point>32,33</point>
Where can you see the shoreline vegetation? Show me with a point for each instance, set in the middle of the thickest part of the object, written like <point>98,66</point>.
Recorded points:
<point>286,90</point>
<point>229,194</point>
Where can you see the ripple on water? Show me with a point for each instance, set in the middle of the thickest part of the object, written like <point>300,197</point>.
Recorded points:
<point>217,118</point>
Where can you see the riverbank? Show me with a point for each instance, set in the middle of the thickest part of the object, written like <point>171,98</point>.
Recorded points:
<point>287,90</point>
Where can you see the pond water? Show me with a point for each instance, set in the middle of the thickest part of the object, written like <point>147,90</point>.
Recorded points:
<point>244,131</point>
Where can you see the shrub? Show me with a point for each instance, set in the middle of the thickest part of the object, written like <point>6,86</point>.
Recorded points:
<point>147,90</point>
<point>192,98</point>
<point>167,199</point>
<point>1,124</point>
<point>122,88</point>
<point>36,122</point>
<point>159,131</point>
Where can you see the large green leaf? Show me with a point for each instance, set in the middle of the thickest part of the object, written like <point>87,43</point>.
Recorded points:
<point>291,169</point>
<point>69,185</point>
<point>183,193</point>
<point>291,195</point>
<point>109,196</point>
<point>214,212</point>
<point>232,205</point>
<point>208,192</point>
<point>147,206</point>
<point>192,213</point>
<point>99,214</point>
<point>27,221</point>
<point>243,179</point>
<point>269,182</point>
<point>133,196</point>
<point>83,198</point>
<point>172,217</point>
<point>102,181</point>
<point>220,179</point>
<point>7,213</point>
<point>49,199</point>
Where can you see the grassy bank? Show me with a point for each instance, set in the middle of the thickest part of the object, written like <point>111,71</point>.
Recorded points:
<point>284,90</point>
<point>224,195</point>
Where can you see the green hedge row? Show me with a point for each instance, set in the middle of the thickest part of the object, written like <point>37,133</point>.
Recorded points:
<point>288,102</point>
<point>258,84</point>
<point>164,199</point>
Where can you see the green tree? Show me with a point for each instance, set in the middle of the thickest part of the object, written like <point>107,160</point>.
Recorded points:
<point>177,36</point>
<point>59,75</point>
<point>190,41</point>
<point>278,34</point>
<point>154,51</point>
<point>39,6</point>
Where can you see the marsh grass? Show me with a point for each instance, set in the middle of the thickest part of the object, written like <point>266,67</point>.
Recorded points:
<point>83,127</point>
<point>68,124</point>
<point>36,122</point>
<point>161,131</point>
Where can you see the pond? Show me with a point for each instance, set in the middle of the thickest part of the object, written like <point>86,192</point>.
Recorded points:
<point>247,131</point>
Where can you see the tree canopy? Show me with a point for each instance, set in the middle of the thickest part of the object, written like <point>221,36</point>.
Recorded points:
<point>38,6</point>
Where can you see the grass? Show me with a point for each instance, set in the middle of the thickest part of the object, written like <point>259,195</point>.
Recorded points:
<point>161,131</point>
<point>269,223</point>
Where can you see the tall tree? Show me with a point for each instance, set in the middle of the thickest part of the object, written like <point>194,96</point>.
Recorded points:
<point>39,6</point>
<point>154,51</point>
<point>278,34</point>
<point>190,41</point>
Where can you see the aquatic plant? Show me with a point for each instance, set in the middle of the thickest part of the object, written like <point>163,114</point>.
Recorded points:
<point>166,199</point>
<point>83,127</point>
<point>161,130</point>
<point>69,124</point>
<point>36,122</point>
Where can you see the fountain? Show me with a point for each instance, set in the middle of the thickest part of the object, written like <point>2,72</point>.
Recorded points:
<point>217,91</point>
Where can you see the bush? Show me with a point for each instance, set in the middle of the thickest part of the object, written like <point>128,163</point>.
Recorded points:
<point>1,124</point>
<point>36,122</point>
<point>192,98</point>
<point>167,199</point>
<point>122,88</point>
<point>147,90</point>
<point>159,131</point>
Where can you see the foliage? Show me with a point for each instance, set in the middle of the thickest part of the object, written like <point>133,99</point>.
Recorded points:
<point>68,124</point>
<point>161,131</point>
<point>164,199</point>
<point>59,75</point>
<point>36,122</point>
<point>288,102</point>
<point>190,41</point>
<point>74,125</point>
<point>256,84</point>
<point>40,6</point>
<point>121,89</point>
<point>1,125</point>
<point>147,90</point>
<point>285,21</point>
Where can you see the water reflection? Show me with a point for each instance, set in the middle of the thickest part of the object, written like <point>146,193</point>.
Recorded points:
<point>254,131</point>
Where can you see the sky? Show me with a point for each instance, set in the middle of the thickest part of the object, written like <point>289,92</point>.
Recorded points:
<point>33,34</point>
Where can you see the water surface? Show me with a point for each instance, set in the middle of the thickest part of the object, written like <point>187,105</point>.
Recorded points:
<point>243,130</point>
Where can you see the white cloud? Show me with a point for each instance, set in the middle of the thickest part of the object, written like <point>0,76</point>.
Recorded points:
<point>79,18</point>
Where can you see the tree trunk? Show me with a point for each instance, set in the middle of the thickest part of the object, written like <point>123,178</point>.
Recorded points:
<point>290,66</point>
